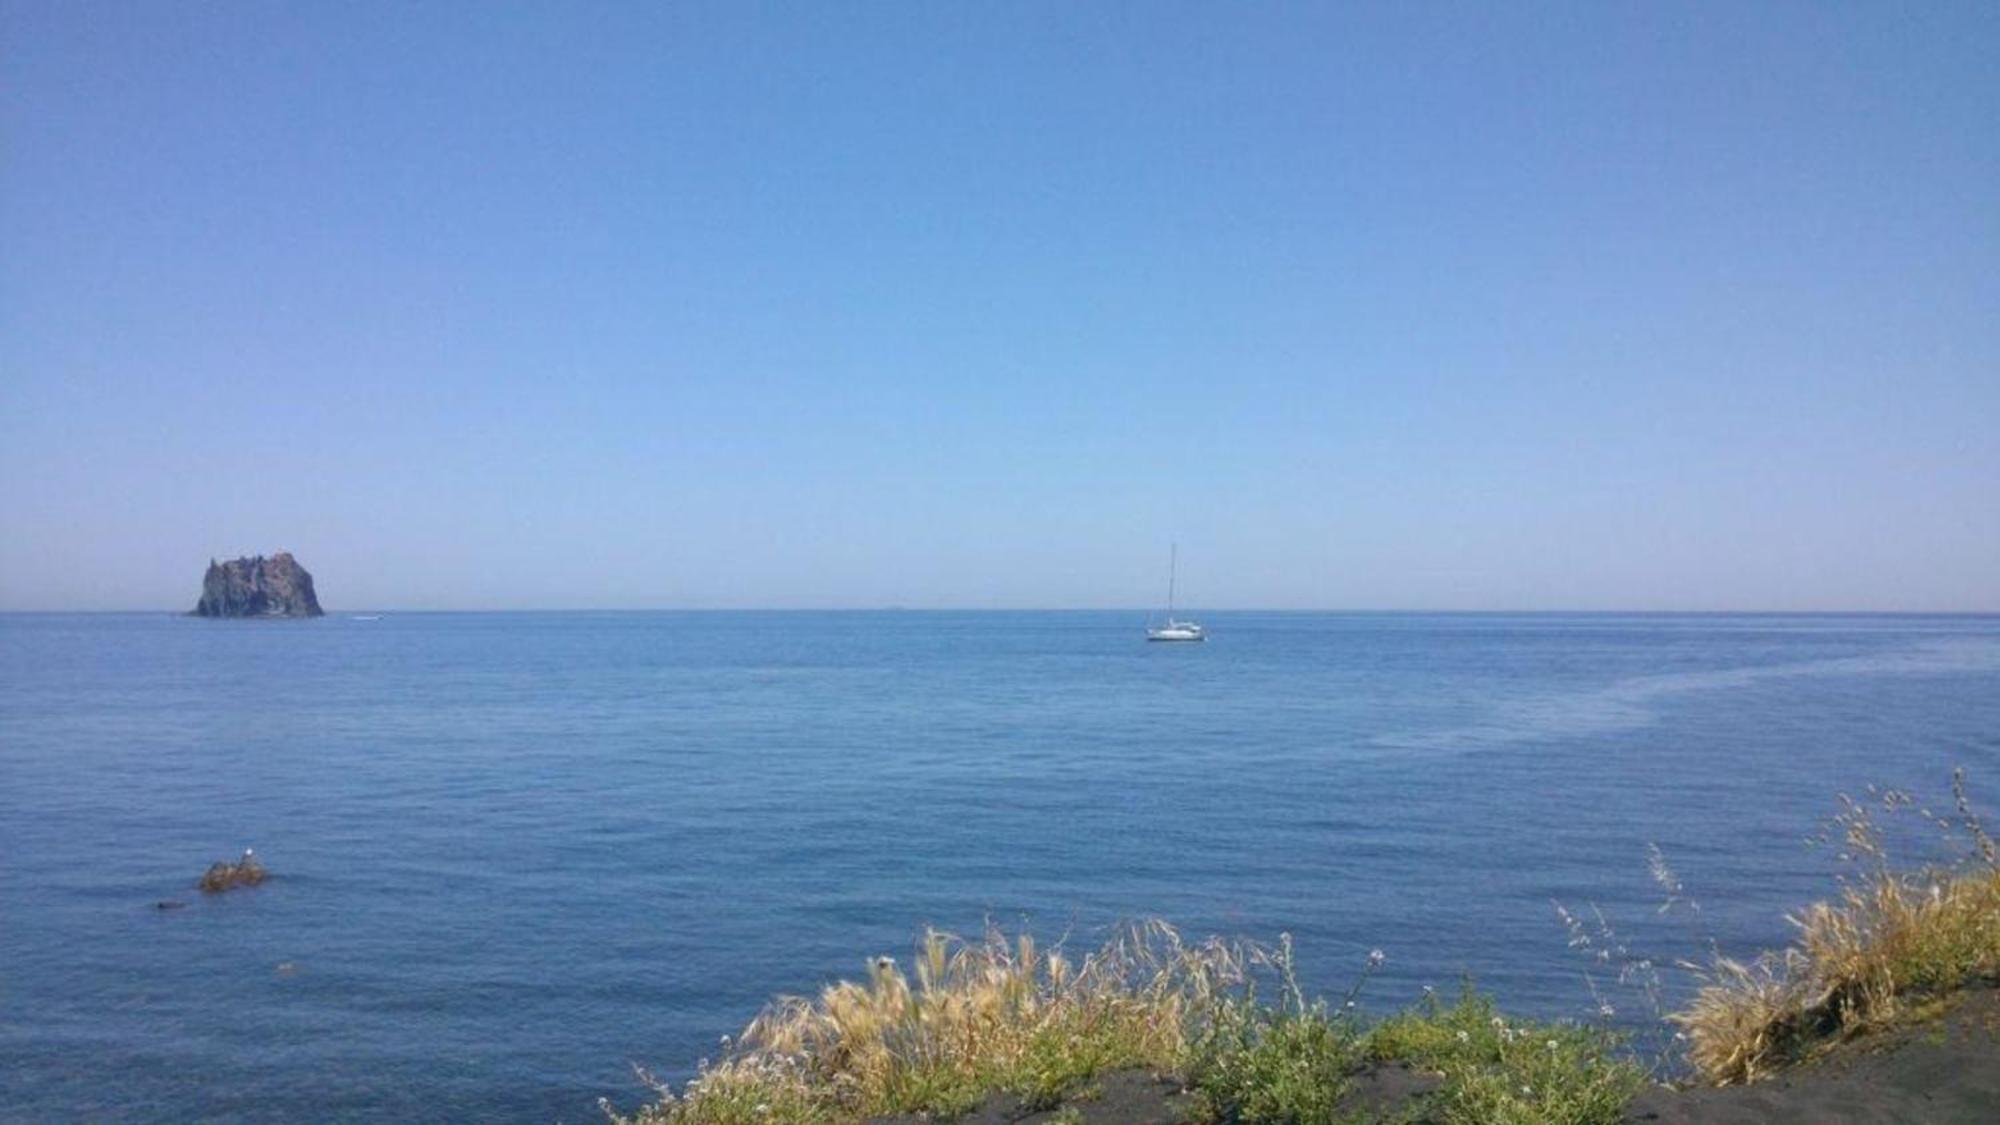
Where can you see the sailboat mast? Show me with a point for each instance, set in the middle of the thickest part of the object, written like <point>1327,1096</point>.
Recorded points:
<point>1173,563</point>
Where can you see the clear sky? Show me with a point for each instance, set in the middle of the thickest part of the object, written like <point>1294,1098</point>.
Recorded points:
<point>1412,305</point>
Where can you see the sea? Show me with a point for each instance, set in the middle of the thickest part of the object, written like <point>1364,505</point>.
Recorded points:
<point>517,856</point>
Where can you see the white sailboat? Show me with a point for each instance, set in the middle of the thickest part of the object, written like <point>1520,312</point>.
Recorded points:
<point>1175,630</point>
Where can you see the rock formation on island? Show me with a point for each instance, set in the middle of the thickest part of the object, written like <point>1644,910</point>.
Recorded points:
<point>257,587</point>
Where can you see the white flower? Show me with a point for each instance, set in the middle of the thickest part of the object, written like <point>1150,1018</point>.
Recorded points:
<point>1606,1010</point>
<point>1376,957</point>
<point>1464,1038</point>
<point>1527,1090</point>
<point>1552,1044</point>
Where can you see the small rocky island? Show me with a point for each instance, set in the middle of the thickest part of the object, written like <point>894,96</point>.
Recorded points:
<point>258,587</point>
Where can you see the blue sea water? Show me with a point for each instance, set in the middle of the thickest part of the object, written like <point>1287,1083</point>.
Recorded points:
<point>515,854</point>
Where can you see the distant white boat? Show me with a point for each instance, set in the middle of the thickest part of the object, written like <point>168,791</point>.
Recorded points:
<point>1175,630</point>
<point>365,617</point>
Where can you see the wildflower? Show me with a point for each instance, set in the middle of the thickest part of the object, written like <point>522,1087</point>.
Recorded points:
<point>1527,1090</point>
<point>1552,1044</point>
<point>1606,1011</point>
<point>1464,1038</point>
<point>1376,957</point>
<point>1498,1022</point>
<point>1430,991</point>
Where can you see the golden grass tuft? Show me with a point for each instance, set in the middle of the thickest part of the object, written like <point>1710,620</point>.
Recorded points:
<point>223,875</point>
<point>992,1014</point>
<point>1888,942</point>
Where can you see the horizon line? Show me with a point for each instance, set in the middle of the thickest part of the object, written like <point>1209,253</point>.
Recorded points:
<point>1136,610</point>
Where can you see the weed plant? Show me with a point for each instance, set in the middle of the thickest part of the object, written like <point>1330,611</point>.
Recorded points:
<point>1288,1061</point>
<point>1502,1072</point>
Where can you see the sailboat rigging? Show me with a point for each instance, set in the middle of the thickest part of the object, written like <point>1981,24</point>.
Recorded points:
<point>1175,630</point>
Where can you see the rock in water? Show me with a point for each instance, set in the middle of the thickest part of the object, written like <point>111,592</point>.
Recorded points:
<point>258,587</point>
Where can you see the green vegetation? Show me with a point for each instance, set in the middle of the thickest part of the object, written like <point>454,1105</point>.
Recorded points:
<point>1294,1062</point>
<point>1290,1061</point>
<point>1500,1072</point>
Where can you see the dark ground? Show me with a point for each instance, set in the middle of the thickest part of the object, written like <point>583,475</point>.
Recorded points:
<point>1940,1072</point>
<point>1944,1071</point>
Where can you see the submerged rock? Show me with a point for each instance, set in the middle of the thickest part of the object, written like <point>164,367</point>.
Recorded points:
<point>258,587</point>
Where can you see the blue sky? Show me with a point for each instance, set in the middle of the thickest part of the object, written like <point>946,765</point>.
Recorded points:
<point>1400,306</point>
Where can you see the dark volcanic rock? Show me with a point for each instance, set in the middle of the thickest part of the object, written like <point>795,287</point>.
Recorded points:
<point>257,587</point>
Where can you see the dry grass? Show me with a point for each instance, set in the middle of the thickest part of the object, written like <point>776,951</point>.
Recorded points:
<point>999,1014</point>
<point>223,875</point>
<point>993,1014</point>
<point>1888,942</point>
